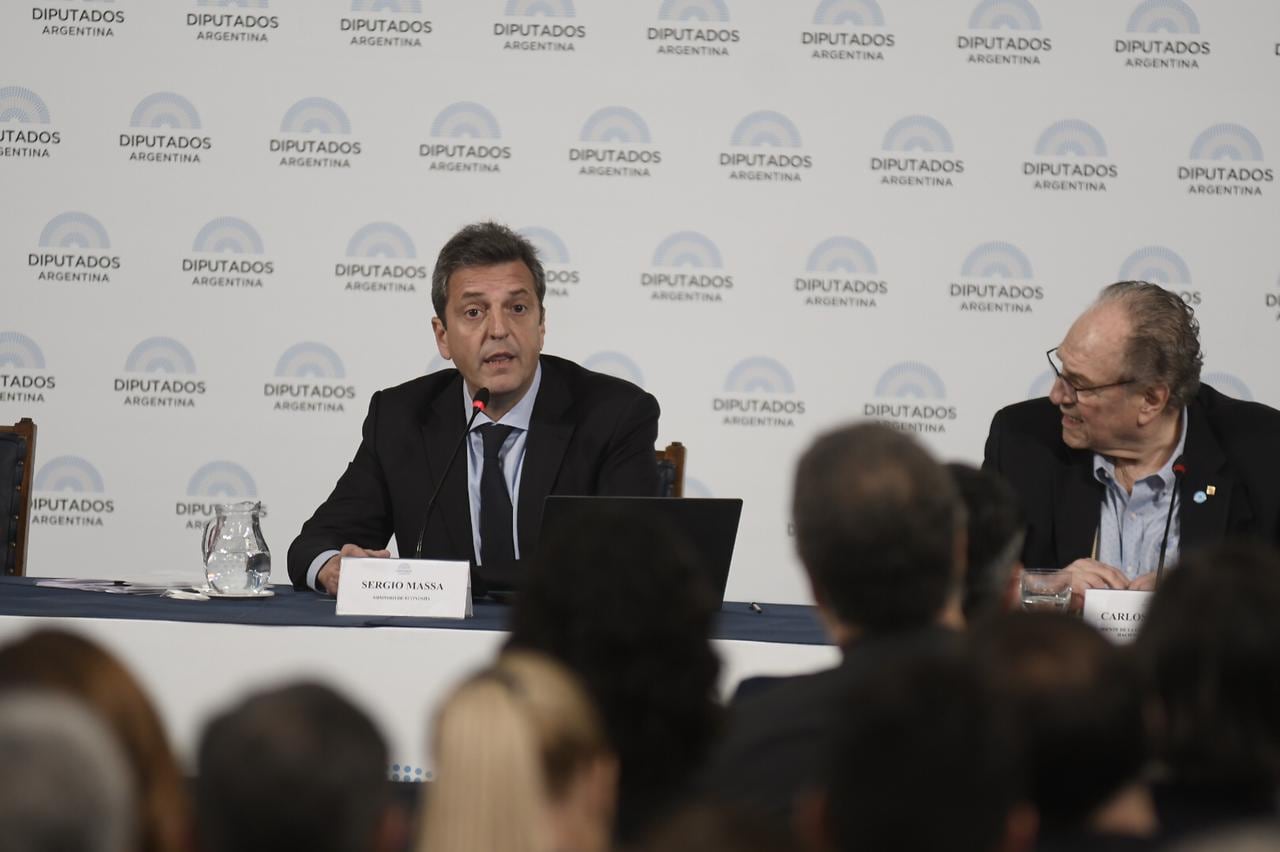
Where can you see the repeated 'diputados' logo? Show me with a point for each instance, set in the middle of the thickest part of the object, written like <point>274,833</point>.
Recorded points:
<point>848,30</point>
<point>759,392</point>
<point>1226,159</point>
<point>213,483</point>
<point>215,22</point>
<point>841,273</point>
<point>996,277</point>
<point>85,19</point>
<point>917,151</point>
<point>765,147</point>
<point>693,28</point>
<point>465,137</point>
<point>1004,33</point>
<point>615,142</point>
<point>1272,300</point>
<point>615,364</point>
<point>687,267</point>
<point>315,133</point>
<point>26,128</point>
<point>68,491</point>
<point>159,372</point>
<point>24,378</point>
<point>1070,156</point>
<point>385,23</point>
<point>561,275</point>
<point>74,248</point>
<point>381,258</point>
<point>1163,266</point>
<point>165,128</point>
<point>539,26</point>
<point>1163,35</point>
<point>309,378</point>
<point>228,253</point>
<point>1228,383</point>
<point>911,397</point>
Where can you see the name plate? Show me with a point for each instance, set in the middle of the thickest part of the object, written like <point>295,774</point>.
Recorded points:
<point>1116,613</point>
<point>419,588</point>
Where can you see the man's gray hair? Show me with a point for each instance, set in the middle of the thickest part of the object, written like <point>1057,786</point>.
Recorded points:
<point>1164,343</point>
<point>65,783</point>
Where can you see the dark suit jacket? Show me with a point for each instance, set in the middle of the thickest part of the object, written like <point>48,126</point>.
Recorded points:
<point>1231,445</point>
<point>588,434</point>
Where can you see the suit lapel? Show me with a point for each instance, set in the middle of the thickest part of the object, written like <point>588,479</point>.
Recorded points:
<point>550,429</point>
<point>440,434</point>
<point>1204,522</point>
<point>1078,510</point>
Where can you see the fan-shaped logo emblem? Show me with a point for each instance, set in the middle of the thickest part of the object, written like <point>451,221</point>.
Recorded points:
<point>554,255</point>
<point>1063,142</point>
<point>615,124</point>
<point>1228,384</point>
<point>996,278</point>
<point>243,4</point>
<point>543,8</point>
<point>1157,264</point>
<point>710,11</point>
<point>918,391</point>
<point>401,7</point>
<point>18,350</point>
<point>160,355</point>
<point>918,133</point>
<point>465,120</point>
<point>22,106</point>
<point>615,364</point>
<point>855,13</point>
<point>759,375</point>
<point>911,379</point>
<point>687,248</point>
<point>1164,16</point>
<point>696,488</point>
<point>840,273</point>
<point>1071,137</point>
<point>1004,15</point>
<point>74,230</point>
<point>1226,142</point>
<point>757,385</point>
<point>310,360</point>
<point>222,479</point>
<point>841,254</point>
<point>228,234</point>
<point>165,109</point>
<point>381,239</point>
<point>1042,384</point>
<point>69,473</point>
<point>315,115</point>
<point>766,129</point>
<point>924,135</point>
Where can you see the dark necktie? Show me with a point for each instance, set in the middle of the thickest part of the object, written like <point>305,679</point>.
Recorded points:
<point>496,546</point>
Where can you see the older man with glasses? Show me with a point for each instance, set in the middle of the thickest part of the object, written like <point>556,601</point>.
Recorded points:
<point>1131,460</point>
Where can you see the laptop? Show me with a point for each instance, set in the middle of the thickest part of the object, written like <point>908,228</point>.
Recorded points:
<point>709,524</point>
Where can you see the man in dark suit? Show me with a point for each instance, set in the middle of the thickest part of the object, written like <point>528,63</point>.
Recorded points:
<point>879,526</point>
<point>550,427</point>
<point>1127,435</point>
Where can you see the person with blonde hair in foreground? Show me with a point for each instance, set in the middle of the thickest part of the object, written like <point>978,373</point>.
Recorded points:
<point>521,764</point>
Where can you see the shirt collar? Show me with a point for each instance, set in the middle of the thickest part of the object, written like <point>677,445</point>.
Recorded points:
<point>1104,469</point>
<point>520,413</point>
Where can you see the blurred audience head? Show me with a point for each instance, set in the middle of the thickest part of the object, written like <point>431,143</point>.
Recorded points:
<point>295,768</point>
<point>996,531</point>
<point>75,666</point>
<point>521,763</point>
<point>1210,645</point>
<point>1078,708</point>
<point>622,605</point>
<point>922,757</point>
<point>705,827</point>
<point>65,783</point>
<point>880,529</point>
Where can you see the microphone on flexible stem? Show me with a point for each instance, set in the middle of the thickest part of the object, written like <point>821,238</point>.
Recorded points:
<point>1179,471</point>
<point>478,404</point>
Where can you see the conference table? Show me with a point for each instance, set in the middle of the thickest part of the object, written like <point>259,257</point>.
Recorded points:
<point>197,658</point>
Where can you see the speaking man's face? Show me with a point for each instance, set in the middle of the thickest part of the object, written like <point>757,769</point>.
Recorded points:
<point>494,330</point>
<point>1092,354</point>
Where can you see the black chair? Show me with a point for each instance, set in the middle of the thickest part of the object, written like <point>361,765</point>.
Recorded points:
<point>671,470</point>
<point>17,456</point>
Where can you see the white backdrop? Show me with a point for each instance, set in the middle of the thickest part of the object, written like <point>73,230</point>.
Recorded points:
<point>775,216</point>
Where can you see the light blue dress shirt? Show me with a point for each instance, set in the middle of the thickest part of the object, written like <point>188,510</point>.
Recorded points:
<point>1131,525</point>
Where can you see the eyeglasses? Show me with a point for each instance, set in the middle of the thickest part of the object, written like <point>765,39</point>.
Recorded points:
<point>1076,390</point>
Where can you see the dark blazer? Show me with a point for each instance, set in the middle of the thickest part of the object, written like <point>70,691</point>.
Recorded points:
<point>1231,445</point>
<point>588,434</point>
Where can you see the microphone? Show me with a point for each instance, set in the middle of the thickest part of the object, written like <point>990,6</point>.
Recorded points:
<point>1179,471</point>
<point>478,404</point>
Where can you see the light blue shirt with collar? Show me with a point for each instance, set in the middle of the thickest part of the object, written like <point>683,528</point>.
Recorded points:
<point>1131,525</point>
<point>511,455</point>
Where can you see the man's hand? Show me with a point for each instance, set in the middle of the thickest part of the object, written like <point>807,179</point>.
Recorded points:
<point>1144,582</point>
<point>327,577</point>
<point>1092,574</point>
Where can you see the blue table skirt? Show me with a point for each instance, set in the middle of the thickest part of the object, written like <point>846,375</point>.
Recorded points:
<point>20,596</point>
